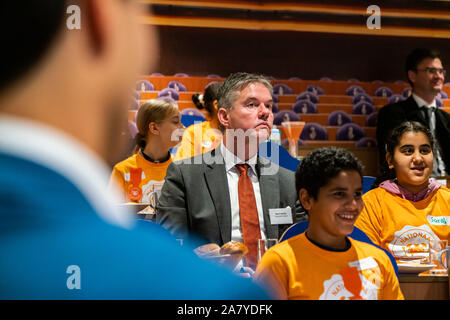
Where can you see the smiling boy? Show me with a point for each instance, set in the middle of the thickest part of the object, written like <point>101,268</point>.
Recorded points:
<point>323,263</point>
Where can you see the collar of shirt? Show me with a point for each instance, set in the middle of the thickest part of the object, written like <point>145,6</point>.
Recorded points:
<point>231,160</point>
<point>420,102</point>
<point>62,153</point>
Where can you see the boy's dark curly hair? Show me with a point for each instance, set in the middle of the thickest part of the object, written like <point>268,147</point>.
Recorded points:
<point>323,164</point>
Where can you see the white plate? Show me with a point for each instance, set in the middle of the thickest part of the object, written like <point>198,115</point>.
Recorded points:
<point>414,268</point>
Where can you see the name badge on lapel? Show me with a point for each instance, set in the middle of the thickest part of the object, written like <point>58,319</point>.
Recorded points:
<point>281,216</point>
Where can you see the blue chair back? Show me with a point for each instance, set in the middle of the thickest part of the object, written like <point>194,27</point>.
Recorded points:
<point>357,234</point>
<point>367,183</point>
<point>188,120</point>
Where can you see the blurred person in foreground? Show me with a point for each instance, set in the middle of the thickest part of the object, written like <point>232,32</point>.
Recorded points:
<point>426,75</point>
<point>230,192</point>
<point>63,96</point>
<point>205,136</point>
<point>323,263</point>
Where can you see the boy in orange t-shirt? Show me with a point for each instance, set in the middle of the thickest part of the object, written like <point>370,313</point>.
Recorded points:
<point>323,263</point>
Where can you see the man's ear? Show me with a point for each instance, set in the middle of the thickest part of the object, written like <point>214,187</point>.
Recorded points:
<point>222,116</point>
<point>412,76</point>
<point>305,199</point>
<point>97,16</point>
<point>389,160</point>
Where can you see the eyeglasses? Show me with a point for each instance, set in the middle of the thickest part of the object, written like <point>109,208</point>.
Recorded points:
<point>434,71</point>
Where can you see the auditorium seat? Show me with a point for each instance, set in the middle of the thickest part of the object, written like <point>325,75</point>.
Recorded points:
<point>168,92</point>
<point>395,98</point>
<point>285,115</point>
<point>363,108</point>
<point>350,131</point>
<point>287,98</point>
<point>332,132</point>
<point>282,89</point>
<point>275,108</point>
<point>315,89</point>
<point>314,131</point>
<point>304,106</point>
<point>335,99</point>
<point>308,96</point>
<point>148,95</point>
<point>185,105</point>
<point>192,112</point>
<point>285,143</point>
<point>406,92</point>
<point>181,74</point>
<point>442,95</point>
<point>366,142</point>
<point>354,90</point>
<point>338,118</point>
<point>384,92</point>
<point>330,107</point>
<point>132,115</point>
<point>177,86</point>
<point>362,97</point>
<point>144,85</point>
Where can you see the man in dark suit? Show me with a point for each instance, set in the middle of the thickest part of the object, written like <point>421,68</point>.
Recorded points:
<point>200,196</point>
<point>426,76</point>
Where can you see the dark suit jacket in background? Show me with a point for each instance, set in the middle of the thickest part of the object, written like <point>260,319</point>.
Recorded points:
<point>392,115</point>
<point>195,198</point>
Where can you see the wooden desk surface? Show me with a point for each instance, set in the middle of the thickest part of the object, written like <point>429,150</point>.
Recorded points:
<point>424,287</point>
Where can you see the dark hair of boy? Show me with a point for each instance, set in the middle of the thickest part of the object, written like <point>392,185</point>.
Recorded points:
<point>322,165</point>
<point>393,140</point>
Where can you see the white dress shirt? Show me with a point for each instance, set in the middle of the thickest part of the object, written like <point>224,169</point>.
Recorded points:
<point>233,178</point>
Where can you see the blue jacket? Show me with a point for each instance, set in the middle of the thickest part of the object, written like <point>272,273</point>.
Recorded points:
<point>53,245</point>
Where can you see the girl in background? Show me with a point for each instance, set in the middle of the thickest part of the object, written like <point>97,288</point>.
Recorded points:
<point>408,208</point>
<point>202,137</point>
<point>141,176</point>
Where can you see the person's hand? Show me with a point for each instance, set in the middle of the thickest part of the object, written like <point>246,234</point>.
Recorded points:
<point>245,272</point>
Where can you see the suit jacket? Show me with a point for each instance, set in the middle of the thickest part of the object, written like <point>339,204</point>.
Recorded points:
<point>54,245</point>
<point>392,115</point>
<point>195,199</point>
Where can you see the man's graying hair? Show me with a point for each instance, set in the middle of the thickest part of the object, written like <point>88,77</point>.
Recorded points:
<point>236,82</point>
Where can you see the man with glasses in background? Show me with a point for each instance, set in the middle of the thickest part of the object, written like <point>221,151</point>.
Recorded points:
<point>426,76</point>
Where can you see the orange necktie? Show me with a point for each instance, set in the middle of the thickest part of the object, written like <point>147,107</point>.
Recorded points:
<point>248,215</point>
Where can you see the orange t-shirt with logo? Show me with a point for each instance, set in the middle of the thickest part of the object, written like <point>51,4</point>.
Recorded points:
<point>297,269</point>
<point>197,139</point>
<point>405,227</point>
<point>151,178</point>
